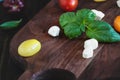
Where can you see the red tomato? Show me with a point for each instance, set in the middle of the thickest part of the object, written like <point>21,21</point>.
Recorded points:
<point>68,5</point>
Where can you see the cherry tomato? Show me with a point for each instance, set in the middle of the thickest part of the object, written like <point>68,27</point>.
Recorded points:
<point>68,5</point>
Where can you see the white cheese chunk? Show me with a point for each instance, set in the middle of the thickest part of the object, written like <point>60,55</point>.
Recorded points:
<point>93,43</point>
<point>118,3</point>
<point>99,14</point>
<point>87,53</point>
<point>89,46</point>
<point>54,31</point>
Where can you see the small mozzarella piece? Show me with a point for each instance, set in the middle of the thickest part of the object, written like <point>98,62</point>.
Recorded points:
<point>99,14</point>
<point>54,31</point>
<point>87,53</point>
<point>99,0</point>
<point>93,43</point>
<point>89,46</point>
<point>118,3</point>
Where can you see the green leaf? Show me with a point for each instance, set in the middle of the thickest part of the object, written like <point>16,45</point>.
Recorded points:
<point>72,30</point>
<point>86,15</point>
<point>71,25</point>
<point>66,18</point>
<point>10,24</point>
<point>74,24</point>
<point>82,27</point>
<point>102,31</point>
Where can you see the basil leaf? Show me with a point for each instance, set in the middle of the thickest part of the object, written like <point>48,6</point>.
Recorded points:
<point>82,27</point>
<point>102,31</point>
<point>72,30</point>
<point>10,24</point>
<point>66,18</point>
<point>86,15</point>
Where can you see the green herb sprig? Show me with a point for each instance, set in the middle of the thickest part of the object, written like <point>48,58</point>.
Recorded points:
<point>74,24</point>
<point>10,24</point>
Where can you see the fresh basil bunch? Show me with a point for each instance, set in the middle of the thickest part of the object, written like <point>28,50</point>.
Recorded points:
<point>74,24</point>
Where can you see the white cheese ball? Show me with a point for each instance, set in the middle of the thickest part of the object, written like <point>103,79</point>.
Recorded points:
<point>99,14</point>
<point>118,3</point>
<point>54,31</point>
<point>89,46</point>
<point>87,53</point>
<point>91,43</point>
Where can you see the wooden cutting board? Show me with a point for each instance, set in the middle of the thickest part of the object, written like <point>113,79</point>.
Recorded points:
<point>59,52</point>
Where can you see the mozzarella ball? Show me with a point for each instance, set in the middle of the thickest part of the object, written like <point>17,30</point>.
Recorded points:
<point>87,53</point>
<point>54,31</point>
<point>118,3</point>
<point>93,43</point>
<point>99,14</point>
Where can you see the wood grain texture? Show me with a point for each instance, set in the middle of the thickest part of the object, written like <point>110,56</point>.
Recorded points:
<point>59,52</point>
<point>105,66</point>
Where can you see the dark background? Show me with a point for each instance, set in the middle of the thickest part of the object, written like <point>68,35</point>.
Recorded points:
<point>8,68</point>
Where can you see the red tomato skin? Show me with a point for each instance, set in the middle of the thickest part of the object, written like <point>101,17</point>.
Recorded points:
<point>68,5</point>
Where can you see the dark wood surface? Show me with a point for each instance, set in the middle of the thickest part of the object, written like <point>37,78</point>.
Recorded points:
<point>60,52</point>
<point>8,67</point>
